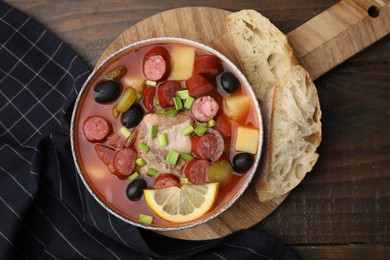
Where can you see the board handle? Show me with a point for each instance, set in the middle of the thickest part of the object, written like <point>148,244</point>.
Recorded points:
<point>338,33</point>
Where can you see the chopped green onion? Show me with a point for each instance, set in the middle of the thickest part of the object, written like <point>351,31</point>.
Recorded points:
<point>177,102</point>
<point>189,101</point>
<point>145,219</point>
<point>156,102</point>
<point>200,130</point>
<point>211,123</point>
<point>139,96</point>
<point>186,157</point>
<point>154,131</point>
<point>152,172</point>
<point>151,83</point>
<point>163,139</point>
<point>143,147</point>
<point>183,94</point>
<point>133,176</point>
<point>171,112</point>
<point>161,111</point>
<point>188,130</point>
<point>140,162</point>
<point>172,157</point>
<point>184,181</point>
<point>125,132</point>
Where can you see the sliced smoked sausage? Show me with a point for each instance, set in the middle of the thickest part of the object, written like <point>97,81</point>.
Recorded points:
<point>196,171</point>
<point>96,129</point>
<point>166,91</point>
<point>208,65</point>
<point>124,161</point>
<point>209,146</point>
<point>204,108</point>
<point>165,180</point>
<point>156,63</point>
<point>198,85</point>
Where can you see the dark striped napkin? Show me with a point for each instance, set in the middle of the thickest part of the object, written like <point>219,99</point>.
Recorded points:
<point>45,212</point>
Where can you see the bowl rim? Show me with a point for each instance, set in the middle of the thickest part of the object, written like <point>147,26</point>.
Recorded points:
<point>231,66</point>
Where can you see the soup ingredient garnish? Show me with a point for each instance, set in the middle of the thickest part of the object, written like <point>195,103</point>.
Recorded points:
<point>211,123</point>
<point>135,189</point>
<point>139,96</point>
<point>133,176</point>
<point>172,157</point>
<point>246,139</point>
<point>229,82</point>
<point>196,171</point>
<point>153,133</point>
<point>178,103</point>
<point>165,180</point>
<point>143,147</point>
<point>188,130</point>
<point>200,130</point>
<point>151,83</point>
<point>183,94</point>
<point>186,157</point>
<point>152,172</point>
<point>116,73</point>
<point>204,108</point>
<point>106,154</point>
<point>96,129</point>
<point>132,117</point>
<point>242,162</point>
<point>124,161</point>
<point>221,172</point>
<point>140,162</point>
<point>188,103</point>
<point>145,219</point>
<point>184,181</point>
<point>125,132</point>
<point>163,139</point>
<point>182,204</point>
<point>183,59</point>
<point>106,91</point>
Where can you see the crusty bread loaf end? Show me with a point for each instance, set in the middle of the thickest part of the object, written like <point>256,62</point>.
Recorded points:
<point>292,119</point>
<point>263,50</point>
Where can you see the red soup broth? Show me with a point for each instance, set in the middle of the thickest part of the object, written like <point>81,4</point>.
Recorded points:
<point>110,188</point>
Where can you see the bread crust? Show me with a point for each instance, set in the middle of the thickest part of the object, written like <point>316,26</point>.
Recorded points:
<point>289,100</point>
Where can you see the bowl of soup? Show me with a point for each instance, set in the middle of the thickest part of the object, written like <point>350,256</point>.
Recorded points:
<point>166,133</point>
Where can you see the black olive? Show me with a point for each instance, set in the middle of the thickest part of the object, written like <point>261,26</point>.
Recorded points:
<point>135,189</point>
<point>132,117</point>
<point>242,162</point>
<point>229,82</point>
<point>106,91</point>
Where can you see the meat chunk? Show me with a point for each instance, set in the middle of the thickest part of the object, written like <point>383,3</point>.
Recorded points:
<point>172,127</point>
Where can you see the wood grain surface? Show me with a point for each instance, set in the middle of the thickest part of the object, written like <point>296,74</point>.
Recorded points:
<point>343,206</point>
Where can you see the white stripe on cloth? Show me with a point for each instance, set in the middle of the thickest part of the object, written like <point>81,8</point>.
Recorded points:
<point>10,242</point>
<point>219,256</point>
<point>20,219</point>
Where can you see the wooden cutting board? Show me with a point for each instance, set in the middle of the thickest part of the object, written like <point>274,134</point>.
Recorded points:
<point>320,45</point>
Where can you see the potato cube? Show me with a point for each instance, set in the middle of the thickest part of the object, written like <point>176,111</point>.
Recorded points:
<point>237,106</point>
<point>182,63</point>
<point>247,139</point>
<point>136,83</point>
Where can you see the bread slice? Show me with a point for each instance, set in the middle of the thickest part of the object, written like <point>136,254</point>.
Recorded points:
<point>263,51</point>
<point>292,128</point>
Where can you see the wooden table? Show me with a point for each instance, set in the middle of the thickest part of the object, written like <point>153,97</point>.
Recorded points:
<point>342,208</point>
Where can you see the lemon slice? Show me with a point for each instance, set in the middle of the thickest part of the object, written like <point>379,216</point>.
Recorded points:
<point>182,204</point>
